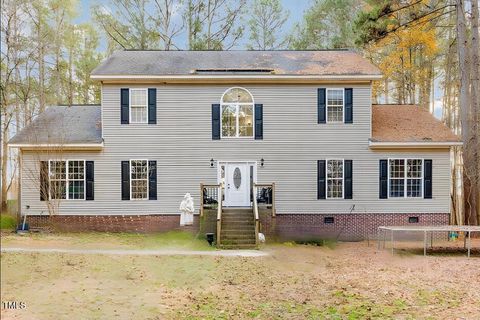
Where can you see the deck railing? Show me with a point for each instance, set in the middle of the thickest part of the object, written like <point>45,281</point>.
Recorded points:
<point>209,196</point>
<point>265,196</point>
<point>219,214</point>
<point>255,215</point>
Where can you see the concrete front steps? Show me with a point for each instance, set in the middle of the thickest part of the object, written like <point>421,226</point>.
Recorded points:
<point>238,229</point>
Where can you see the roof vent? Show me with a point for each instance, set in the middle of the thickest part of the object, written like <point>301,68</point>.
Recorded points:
<point>233,71</point>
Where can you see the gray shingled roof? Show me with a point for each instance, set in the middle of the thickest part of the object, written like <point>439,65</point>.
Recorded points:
<point>316,63</point>
<point>63,125</point>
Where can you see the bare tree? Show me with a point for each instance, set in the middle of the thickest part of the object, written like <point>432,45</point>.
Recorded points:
<point>214,24</point>
<point>467,118</point>
<point>267,19</point>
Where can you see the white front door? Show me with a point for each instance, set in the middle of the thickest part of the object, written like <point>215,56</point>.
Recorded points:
<point>237,185</point>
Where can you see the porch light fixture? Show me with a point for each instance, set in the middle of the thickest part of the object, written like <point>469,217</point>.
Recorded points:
<point>262,161</point>
<point>211,163</point>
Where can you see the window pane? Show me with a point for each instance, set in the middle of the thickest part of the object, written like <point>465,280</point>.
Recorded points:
<point>76,189</point>
<point>138,97</point>
<point>397,188</point>
<point>139,169</point>
<point>414,188</point>
<point>139,189</point>
<point>335,188</point>
<point>245,121</point>
<point>335,97</point>
<point>237,95</point>
<point>58,189</point>
<point>76,170</point>
<point>414,168</point>
<point>335,114</point>
<point>58,170</point>
<point>229,121</point>
<point>335,169</point>
<point>138,114</point>
<point>397,168</point>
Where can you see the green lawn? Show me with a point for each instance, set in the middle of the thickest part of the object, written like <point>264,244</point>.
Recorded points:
<point>7,222</point>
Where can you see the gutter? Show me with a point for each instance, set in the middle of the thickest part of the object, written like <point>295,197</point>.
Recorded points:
<point>419,145</point>
<point>261,78</point>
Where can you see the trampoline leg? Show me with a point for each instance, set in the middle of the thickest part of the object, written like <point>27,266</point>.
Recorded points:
<point>425,243</point>
<point>469,243</point>
<point>384,238</point>
<point>378,239</point>
<point>393,244</point>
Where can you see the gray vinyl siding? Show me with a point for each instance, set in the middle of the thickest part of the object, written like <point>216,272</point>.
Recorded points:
<point>181,143</point>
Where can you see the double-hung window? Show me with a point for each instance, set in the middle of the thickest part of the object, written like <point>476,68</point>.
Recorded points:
<point>405,178</point>
<point>139,179</point>
<point>335,105</point>
<point>335,178</point>
<point>138,106</point>
<point>67,179</point>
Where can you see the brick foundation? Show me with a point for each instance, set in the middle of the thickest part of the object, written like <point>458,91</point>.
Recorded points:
<point>347,227</point>
<point>112,223</point>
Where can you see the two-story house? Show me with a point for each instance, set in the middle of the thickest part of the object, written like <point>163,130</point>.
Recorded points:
<point>294,130</point>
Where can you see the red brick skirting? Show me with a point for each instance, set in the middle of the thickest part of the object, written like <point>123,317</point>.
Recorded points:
<point>348,227</point>
<point>111,223</point>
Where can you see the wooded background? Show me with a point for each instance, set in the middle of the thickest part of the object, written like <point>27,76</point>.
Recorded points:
<point>421,46</point>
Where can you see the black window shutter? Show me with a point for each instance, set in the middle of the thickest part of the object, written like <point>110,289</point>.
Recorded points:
<point>124,105</point>
<point>383,182</point>
<point>321,179</point>
<point>258,121</point>
<point>152,180</point>
<point>125,180</point>
<point>427,179</point>
<point>89,180</point>
<point>322,105</point>
<point>152,106</point>
<point>215,122</point>
<point>44,181</point>
<point>348,105</point>
<point>348,175</point>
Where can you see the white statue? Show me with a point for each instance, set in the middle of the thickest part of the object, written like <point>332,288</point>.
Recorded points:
<point>261,237</point>
<point>187,209</point>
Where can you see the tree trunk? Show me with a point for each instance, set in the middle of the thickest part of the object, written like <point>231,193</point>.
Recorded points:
<point>469,165</point>
<point>475,96</point>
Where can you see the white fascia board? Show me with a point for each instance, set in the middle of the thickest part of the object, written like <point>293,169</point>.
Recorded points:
<point>238,77</point>
<point>382,145</point>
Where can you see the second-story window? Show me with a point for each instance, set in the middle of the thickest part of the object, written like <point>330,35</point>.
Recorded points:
<point>335,105</point>
<point>237,113</point>
<point>138,106</point>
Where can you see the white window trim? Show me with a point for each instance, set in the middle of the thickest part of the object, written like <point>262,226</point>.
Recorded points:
<point>405,178</point>
<point>130,179</point>
<point>237,136</point>
<point>343,179</point>
<point>130,105</point>
<point>343,105</point>
<point>67,180</point>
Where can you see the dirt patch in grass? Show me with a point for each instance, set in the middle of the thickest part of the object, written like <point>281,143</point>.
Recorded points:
<point>348,281</point>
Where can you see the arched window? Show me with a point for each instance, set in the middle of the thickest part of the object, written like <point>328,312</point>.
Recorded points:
<point>237,113</point>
